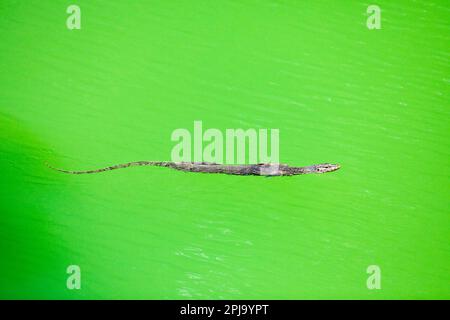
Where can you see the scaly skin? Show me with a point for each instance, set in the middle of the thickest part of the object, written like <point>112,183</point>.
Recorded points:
<point>261,169</point>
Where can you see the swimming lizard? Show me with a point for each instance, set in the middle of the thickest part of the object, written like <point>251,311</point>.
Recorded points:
<point>261,169</point>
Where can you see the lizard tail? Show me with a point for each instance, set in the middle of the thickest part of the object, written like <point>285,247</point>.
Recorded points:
<point>117,166</point>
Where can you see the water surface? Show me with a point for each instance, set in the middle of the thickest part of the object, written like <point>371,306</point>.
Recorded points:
<point>374,101</point>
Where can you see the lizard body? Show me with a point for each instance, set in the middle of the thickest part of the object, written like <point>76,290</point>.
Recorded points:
<point>261,169</point>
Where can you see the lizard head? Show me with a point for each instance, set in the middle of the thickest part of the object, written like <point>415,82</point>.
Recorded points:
<point>325,167</point>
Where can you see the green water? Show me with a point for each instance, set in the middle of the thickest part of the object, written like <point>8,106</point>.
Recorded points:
<point>375,101</point>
